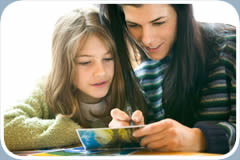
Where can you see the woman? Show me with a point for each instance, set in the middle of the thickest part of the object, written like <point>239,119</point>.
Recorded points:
<point>187,74</point>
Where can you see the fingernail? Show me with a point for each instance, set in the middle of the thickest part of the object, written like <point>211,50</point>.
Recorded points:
<point>134,134</point>
<point>136,119</point>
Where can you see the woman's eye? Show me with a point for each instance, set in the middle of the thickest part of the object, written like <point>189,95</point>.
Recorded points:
<point>108,59</point>
<point>132,25</point>
<point>158,23</point>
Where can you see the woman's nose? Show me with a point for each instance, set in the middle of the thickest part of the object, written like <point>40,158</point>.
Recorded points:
<point>147,36</point>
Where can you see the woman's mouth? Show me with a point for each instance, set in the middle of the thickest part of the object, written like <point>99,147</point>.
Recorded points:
<point>153,49</point>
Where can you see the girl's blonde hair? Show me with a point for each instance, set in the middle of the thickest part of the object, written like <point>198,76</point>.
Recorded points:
<point>70,34</point>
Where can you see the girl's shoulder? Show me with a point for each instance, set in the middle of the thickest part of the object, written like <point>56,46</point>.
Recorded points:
<point>34,104</point>
<point>38,91</point>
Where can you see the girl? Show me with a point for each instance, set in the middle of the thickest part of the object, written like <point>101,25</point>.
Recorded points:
<point>187,73</point>
<point>84,84</point>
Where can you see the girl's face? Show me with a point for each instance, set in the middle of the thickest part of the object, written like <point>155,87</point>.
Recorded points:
<point>94,70</point>
<point>154,26</point>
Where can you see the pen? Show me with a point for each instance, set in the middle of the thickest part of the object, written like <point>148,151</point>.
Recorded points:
<point>129,112</point>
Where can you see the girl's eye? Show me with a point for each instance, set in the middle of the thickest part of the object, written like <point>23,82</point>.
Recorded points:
<point>84,63</point>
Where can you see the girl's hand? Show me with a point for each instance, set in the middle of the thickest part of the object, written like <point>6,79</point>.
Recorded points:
<point>121,118</point>
<point>169,135</point>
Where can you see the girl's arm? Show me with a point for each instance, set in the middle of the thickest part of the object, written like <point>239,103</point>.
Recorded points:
<point>31,126</point>
<point>121,118</point>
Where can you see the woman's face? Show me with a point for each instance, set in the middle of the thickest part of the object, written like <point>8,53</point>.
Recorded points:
<point>154,26</point>
<point>94,70</point>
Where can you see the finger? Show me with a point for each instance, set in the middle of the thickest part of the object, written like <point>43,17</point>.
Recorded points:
<point>115,124</point>
<point>153,128</point>
<point>159,144</point>
<point>163,148</point>
<point>164,144</point>
<point>119,115</point>
<point>138,118</point>
<point>153,138</point>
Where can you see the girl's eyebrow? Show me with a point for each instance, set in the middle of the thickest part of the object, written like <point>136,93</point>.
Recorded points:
<point>86,55</point>
<point>108,52</point>
<point>152,21</point>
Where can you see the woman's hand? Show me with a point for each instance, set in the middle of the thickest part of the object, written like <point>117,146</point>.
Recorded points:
<point>121,118</point>
<point>170,135</point>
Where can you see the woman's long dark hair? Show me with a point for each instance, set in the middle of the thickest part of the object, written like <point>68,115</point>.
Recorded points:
<point>133,91</point>
<point>186,72</point>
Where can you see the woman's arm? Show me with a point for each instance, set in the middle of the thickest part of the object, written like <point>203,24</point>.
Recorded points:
<point>218,113</point>
<point>165,135</point>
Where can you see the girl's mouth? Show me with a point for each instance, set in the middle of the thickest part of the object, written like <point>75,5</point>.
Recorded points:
<point>100,84</point>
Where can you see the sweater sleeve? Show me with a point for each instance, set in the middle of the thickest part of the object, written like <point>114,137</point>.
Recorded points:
<point>219,138</point>
<point>221,135</point>
<point>31,126</point>
<point>219,126</point>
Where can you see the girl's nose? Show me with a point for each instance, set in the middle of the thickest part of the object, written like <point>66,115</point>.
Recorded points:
<point>99,69</point>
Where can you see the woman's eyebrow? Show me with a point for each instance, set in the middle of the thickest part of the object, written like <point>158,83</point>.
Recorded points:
<point>157,19</point>
<point>130,22</point>
<point>152,21</point>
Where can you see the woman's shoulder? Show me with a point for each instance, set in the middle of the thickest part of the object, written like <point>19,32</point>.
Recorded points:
<point>217,28</point>
<point>218,32</point>
<point>220,40</point>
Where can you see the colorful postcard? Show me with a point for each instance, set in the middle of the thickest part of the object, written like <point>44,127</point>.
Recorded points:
<point>80,151</point>
<point>109,138</point>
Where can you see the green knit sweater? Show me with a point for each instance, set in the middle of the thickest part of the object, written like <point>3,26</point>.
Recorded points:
<point>31,125</point>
